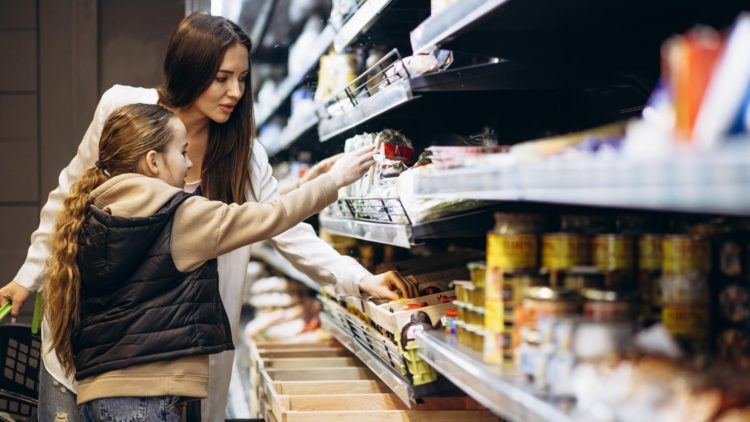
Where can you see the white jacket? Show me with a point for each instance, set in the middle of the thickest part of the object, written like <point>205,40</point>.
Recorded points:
<point>300,245</point>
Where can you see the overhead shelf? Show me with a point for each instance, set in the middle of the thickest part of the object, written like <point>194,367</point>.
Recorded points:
<point>359,23</point>
<point>503,391</point>
<point>715,182</point>
<point>447,24</point>
<point>268,254</point>
<point>386,233</point>
<point>503,26</point>
<point>395,95</point>
<point>292,133</point>
<point>468,224</point>
<point>292,81</point>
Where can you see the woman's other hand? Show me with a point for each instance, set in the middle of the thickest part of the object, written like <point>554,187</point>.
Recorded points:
<point>15,293</point>
<point>352,166</point>
<point>385,285</point>
<point>322,167</point>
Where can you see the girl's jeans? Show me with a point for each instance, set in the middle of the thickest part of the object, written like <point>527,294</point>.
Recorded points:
<point>56,403</point>
<point>126,409</point>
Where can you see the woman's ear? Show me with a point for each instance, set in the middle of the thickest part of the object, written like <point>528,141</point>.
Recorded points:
<point>150,164</point>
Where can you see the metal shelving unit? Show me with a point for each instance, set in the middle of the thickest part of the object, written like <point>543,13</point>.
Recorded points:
<point>268,254</point>
<point>359,23</point>
<point>389,234</point>
<point>504,392</point>
<point>383,87</point>
<point>292,81</point>
<point>714,182</point>
<point>385,220</point>
<point>444,26</point>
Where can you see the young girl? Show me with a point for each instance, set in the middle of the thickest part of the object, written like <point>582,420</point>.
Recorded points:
<point>207,85</point>
<point>132,294</point>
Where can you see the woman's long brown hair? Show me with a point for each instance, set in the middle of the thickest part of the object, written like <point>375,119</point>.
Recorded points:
<point>129,134</point>
<point>194,55</point>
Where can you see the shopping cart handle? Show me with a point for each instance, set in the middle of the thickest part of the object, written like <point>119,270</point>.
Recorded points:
<point>5,309</point>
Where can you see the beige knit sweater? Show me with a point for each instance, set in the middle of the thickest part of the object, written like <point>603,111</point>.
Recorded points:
<point>202,230</point>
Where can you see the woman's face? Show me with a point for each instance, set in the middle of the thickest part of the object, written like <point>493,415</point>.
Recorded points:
<point>217,102</point>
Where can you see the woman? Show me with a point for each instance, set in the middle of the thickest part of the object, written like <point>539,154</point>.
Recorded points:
<point>207,85</point>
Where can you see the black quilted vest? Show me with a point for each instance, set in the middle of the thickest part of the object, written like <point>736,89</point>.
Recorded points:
<point>135,306</point>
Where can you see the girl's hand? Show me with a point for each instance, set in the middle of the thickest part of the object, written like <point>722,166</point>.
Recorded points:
<point>15,293</point>
<point>352,166</point>
<point>384,286</point>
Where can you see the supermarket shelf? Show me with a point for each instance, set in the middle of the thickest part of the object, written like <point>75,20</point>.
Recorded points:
<point>539,26</point>
<point>359,23</point>
<point>400,386</point>
<point>292,81</point>
<point>473,223</point>
<point>390,234</point>
<point>503,391</point>
<point>292,133</point>
<point>444,26</point>
<point>714,182</point>
<point>395,95</point>
<point>268,254</point>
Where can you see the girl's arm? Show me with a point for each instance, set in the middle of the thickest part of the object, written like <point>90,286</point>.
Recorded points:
<point>205,229</point>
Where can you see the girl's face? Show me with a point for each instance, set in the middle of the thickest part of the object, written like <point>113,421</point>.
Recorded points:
<point>218,100</point>
<point>173,163</point>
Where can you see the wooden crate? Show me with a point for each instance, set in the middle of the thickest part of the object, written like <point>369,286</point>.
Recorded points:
<point>310,363</point>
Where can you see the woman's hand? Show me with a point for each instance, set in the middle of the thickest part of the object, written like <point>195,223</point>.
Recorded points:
<point>383,286</point>
<point>352,166</point>
<point>320,168</point>
<point>15,293</point>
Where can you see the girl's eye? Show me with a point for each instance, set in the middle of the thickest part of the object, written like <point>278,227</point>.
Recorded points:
<point>221,79</point>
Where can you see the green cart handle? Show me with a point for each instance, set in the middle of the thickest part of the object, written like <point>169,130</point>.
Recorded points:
<point>5,310</point>
<point>36,320</point>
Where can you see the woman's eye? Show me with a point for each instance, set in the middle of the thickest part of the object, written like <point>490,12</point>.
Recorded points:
<point>221,79</point>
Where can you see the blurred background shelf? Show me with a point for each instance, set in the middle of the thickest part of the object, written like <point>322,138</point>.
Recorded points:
<point>503,391</point>
<point>714,182</point>
<point>292,81</point>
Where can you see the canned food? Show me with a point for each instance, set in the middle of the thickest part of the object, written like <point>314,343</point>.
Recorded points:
<point>544,302</point>
<point>682,289</point>
<point>514,288</point>
<point>460,288</point>
<point>607,305</point>
<point>561,251</point>
<point>477,271</point>
<point>688,323</point>
<point>511,252</point>
<point>685,253</point>
<point>507,223</point>
<point>613,252</point>
<point>650,252</point>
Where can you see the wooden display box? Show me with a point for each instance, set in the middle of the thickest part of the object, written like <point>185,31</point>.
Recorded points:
<point>391,318</point>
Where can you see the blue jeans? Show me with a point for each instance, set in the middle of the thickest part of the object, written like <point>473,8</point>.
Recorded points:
<point>56,403</point>
<point>132,409</point>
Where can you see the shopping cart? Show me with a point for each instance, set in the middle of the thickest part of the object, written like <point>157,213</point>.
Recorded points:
<point>20,354</point>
